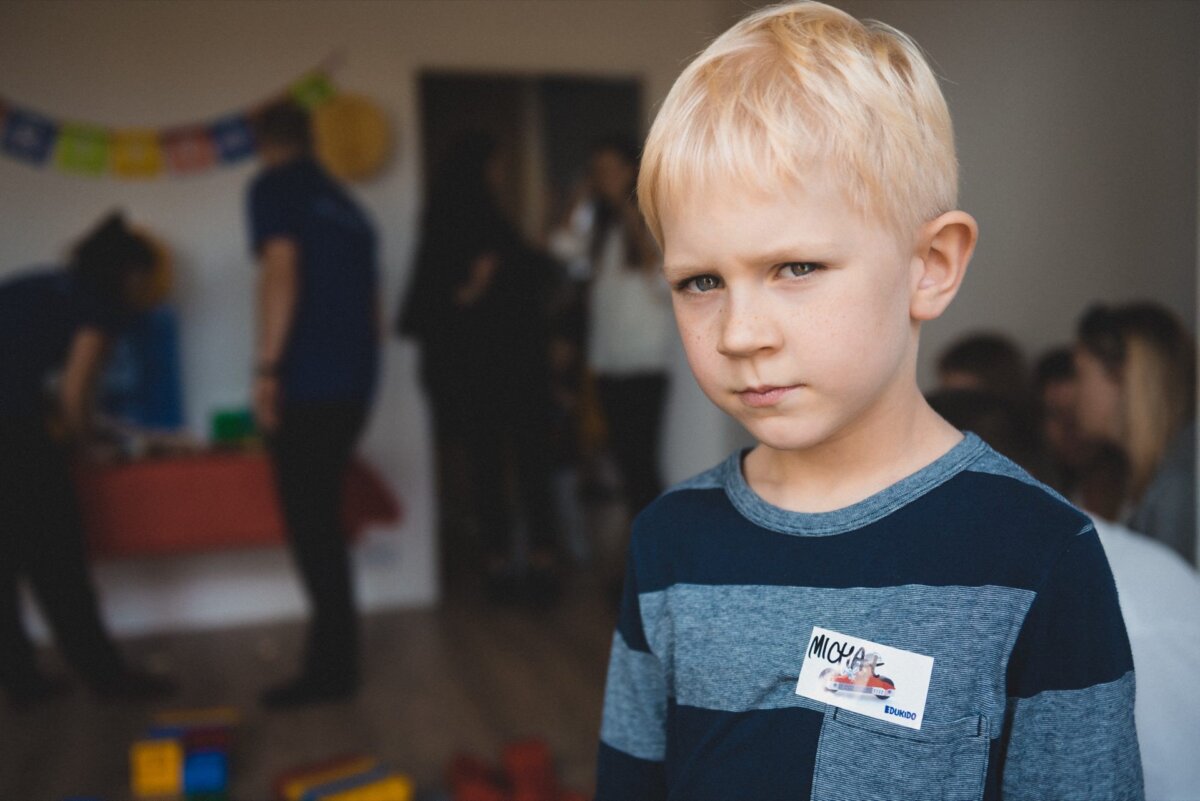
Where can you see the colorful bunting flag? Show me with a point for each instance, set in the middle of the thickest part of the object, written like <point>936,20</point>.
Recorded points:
<point>136,154</point>
<point>28,136</point>
<point>189,149</point>
<point>233,137</point>
<point>82,148</point>
<point>31,137</point>
<point>312,90</point>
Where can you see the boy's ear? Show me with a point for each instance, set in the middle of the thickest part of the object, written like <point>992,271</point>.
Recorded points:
<point>944,248</point>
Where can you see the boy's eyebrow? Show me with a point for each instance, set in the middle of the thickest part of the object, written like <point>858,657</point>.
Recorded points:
<point>666,268</point>
<point>808,252</point>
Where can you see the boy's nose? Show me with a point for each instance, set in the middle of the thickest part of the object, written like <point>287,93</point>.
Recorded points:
<point>746,327</point>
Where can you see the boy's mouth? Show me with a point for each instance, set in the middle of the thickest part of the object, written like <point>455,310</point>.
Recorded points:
<point>759,397</point>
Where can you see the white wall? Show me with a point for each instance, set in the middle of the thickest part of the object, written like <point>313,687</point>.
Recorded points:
<point>1077,135</point>
<point>149,63</point>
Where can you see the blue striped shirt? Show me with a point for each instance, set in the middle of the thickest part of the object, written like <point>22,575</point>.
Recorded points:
<point>969,561</point>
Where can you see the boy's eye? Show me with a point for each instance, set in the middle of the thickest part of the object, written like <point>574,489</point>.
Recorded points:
<point>700,283</point>
<point>798,269</point>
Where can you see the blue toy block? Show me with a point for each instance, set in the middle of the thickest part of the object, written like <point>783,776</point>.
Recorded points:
<point>205,772</point>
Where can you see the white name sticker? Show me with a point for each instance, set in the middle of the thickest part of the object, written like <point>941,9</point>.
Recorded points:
<point>867,677</point>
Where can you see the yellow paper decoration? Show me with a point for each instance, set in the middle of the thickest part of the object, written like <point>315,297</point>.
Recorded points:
<point>353,138</point>
<point>136,154</point>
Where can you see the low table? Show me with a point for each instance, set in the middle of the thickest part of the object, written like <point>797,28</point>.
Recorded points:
<point>205,502</point>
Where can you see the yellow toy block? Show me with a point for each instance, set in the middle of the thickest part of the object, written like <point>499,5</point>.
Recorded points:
<point>390,788</point>
<point>295,789</point>
<point>156,767</point>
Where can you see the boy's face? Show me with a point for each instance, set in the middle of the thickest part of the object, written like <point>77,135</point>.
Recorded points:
<point>794,312</point>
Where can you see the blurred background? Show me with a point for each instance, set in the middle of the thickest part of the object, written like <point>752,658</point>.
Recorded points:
<point>1078,128</point>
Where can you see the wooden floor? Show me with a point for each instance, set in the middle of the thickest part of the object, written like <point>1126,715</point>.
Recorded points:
<point>467,676</point>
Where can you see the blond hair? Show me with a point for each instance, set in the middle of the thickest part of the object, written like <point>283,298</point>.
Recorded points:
<point>801,87</point>
<point>1152,357</point>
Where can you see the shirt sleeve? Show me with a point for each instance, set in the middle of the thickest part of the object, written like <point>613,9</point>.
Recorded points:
<point>272,212</point>
<point>633,731</point>
<point>1070,731</point>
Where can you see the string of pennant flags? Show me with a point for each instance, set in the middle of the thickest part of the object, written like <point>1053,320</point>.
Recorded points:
<point>82,148</point>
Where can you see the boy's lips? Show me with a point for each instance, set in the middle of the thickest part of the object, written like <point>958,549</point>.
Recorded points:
<point>759,397</point>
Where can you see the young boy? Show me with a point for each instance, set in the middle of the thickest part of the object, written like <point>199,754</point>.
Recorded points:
<point>869,604</point>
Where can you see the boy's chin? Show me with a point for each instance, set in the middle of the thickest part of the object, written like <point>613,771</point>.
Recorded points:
<point>787,434</point>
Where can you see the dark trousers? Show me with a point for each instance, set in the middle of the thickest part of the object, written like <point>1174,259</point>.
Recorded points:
<point>311,452</point>
<point>510,459</point>
<point>633,412</point>
<point>41,539</point>
<point>503,439</point>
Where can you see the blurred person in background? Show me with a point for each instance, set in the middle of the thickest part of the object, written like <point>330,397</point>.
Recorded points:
<point>60,321</point>
<point>478,306</point>
<point>984,361</point>
<point>1055,395</point>
<point>1158,592</point>
<point>317,358</point>
<point>1135,366</point>
<point>1093,474</point>
<point>628,314</point>
<point>997,420</point>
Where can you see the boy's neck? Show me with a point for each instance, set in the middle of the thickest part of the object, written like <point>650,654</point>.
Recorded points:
<point>859,462</point>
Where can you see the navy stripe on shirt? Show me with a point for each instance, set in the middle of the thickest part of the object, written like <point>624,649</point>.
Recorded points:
<point>969,561</point>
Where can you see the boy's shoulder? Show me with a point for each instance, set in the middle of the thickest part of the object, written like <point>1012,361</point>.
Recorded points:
<point>971,468</point>
<point>992,514</point>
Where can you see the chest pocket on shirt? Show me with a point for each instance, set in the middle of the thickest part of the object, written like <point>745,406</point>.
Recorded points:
<point>863,759</point>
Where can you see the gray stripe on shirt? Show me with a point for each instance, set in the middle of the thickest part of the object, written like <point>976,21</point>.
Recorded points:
<point>737,648</point>
<point>1060,736</point>
<point>635,703</point>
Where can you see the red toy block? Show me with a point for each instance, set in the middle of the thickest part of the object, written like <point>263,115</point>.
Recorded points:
<point>209,738</point>
<point>530,770</point>
<point>479,790</point>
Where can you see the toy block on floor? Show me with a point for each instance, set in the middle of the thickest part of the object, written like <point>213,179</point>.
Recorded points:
<point>530,770</point>
<point>187,752</point>
<point>207,738</point>
<point>156,767</point>
<point>205,772</point>
<point>380,784</point>
<point>295,783</point>
<point>479,790</point>
<point>527,773</point>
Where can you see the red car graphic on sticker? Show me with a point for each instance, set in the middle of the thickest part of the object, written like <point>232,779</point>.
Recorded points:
<point>859,676</point>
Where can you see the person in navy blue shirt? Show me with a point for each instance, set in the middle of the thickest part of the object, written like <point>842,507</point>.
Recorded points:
<point>60,322</point>
<point>317,356</point>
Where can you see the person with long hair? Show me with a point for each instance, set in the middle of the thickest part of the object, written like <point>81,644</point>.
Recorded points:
<point>628,315</point>
<point>60,321</point>
<point>477,306</point>
<point>1136,367</point>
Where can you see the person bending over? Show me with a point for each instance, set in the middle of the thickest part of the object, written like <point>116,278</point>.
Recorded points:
<point>60,322</point>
